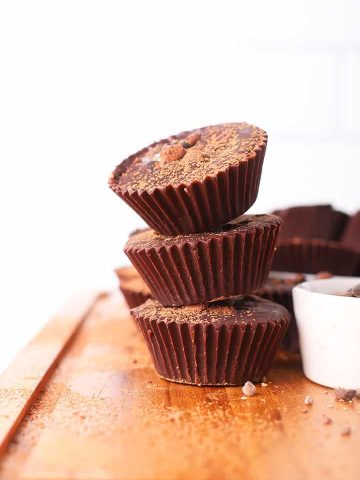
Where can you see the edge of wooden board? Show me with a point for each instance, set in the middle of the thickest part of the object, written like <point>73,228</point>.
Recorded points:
<point>25,377</point>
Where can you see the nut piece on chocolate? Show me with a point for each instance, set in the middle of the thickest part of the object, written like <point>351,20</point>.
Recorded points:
<point>196,180</point>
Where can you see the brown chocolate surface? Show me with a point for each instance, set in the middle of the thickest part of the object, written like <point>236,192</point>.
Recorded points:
<point>308,222</point>
<point>210,150</point>
<point>316,255</point>
<point>135,285</point>
<point>147,238</point>
<point>351,233</point>
<point>126,273</point>
<point>239,310</point>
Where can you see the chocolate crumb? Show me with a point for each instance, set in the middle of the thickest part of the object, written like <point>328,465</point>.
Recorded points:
<point>308,400</point>
<point>327,420</point>
<point>249,389</point>
<point>346,432</point>
<point>276,415</point>
<point>344,394</point>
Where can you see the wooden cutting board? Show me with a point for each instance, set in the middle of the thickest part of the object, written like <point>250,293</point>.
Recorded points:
<point>83,401</point>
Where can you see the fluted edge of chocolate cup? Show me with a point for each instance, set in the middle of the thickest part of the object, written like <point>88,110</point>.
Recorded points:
<point>201,205</point>
<point>283,296</point>
<point>223,354</point>
<point>312,256</point>
<point>133,298</point>
<point>193,272</point>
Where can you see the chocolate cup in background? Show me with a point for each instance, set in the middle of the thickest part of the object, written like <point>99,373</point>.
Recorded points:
<point>311,221</point>
<point>282,294</point>
<point>132,286</point>
<point>197,268</point>
<point>312,256</point>
<point>351,233</point>
<point>199,206</point>
<point>126,273</point>
<point>221,351</point>
<point>134,297</point>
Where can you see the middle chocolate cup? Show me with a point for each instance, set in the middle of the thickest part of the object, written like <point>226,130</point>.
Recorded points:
<point>202,267</point>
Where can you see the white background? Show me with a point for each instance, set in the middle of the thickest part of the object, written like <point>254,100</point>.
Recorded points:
<point>83,84</point>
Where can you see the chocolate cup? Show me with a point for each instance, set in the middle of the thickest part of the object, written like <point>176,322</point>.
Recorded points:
<point>201,205</point>
<point>198,268</point>
<point>312,256</point>
<point>283,295</point>
<point>223,353</point>
<point>132,286</point>
<point>134,298</point>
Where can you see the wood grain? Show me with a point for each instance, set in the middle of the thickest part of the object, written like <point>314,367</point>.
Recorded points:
<point>22,380</point>
<point>105,414</point>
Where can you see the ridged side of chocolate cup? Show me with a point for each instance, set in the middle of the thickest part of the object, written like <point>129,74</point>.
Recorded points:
<point>193,272</point>
<point>283,296</point>
<point>312,256</point>
<point>212,354</point>
<point>200,206</point>
<point>134,298</point>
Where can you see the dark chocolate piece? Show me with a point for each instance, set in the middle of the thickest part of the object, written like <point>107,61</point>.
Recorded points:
<point>201,267</point>
<point>222,343</point>
<point>181,189</point>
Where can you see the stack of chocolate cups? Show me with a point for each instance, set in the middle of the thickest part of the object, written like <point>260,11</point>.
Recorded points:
<point>201,257</point>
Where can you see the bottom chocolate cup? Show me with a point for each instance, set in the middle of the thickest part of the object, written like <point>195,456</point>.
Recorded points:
<point>220,344</point>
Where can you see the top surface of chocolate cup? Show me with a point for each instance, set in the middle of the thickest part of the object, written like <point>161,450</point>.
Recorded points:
<point>215,148</point>
<point>147,238</point>
<point>314,221</point>
<point>242,309</point>
<point>195,180</point>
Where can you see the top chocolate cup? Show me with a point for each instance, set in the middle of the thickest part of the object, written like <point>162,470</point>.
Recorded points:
<point>194,181</point>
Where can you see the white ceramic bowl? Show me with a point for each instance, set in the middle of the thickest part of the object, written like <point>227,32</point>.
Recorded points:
<point>329,331</point>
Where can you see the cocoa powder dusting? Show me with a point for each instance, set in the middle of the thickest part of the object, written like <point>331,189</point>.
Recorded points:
<point>189,156</point>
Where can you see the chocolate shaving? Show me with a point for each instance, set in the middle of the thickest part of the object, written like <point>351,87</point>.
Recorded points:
<point>344,394</point>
